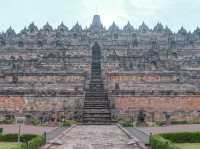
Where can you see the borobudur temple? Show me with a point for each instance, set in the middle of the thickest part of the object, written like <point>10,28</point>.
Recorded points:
<point>97,74</point>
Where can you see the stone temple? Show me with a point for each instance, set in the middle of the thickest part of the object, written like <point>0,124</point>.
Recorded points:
<point>96,74</point>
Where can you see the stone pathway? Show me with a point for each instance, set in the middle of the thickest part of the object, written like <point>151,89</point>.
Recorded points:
<point>95,137</point>
<point>140,135</point>
<point>55,133</point>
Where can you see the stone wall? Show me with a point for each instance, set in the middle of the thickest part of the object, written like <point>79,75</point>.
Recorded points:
<point>12,103</point>
<point>39,105</point>
<point>179,107</point>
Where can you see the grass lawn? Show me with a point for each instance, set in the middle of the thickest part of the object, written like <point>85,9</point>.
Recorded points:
<point>188,145</point>
<point>8,145</point>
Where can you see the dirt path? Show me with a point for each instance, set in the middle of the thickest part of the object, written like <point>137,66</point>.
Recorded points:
<point>95,137</point>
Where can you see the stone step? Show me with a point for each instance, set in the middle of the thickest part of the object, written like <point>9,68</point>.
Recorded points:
<point>96,107</point>
<point>96,97</point>
<point>86,107</point>
<point>97,119</point>
<point>93,122</point>
<point>96,111</point>
<point>96,116</point>
<point>93,99</point>
<point>102,92</point>
<point>96,102</point>
<point>96,82</point>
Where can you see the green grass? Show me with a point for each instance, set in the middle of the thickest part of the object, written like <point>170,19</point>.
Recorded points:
<point>8,145</point>
<point>188,145</point>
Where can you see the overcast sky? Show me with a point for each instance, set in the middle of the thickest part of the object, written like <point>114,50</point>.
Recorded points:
<point>174,13</point>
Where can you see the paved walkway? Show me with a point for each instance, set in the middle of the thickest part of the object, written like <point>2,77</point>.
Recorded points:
<point>95,137</point>
<point>55,133</point>
<point>140,135</point>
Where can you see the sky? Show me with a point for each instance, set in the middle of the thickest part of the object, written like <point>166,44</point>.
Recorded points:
<point>173,13</point>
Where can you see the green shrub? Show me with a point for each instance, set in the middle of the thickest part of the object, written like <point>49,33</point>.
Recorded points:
<point>68,123</point>
<point>173,122</point>
<point>27,137</point>
<point>160,123</point>
<point>167,140</point>
<point>8,138</point>
<point>34,141</point>
<point>14,137</point>
<point>1,131</point>
<point>183,137</point>
<point>126,123</point>
<point>35,121</point>
<point>7,121</point>
<point>158,142</point>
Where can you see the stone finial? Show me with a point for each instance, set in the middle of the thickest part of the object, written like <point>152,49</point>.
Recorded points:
<point>96,21</point>
<point>143,28</point>
<point>190,37</point>
<point>182,31</point>
<point>76,28</point>
<point>167,30</point>
<point>32,28</point>
<point>158,28</point>
<point>47,27</point>
<point>197,31</point>
<point>10,32</point>
<point>96,24</point>
<point>128,28</point>
<point>24,31</point>
<point>62,28</point>
<point>113,28</point>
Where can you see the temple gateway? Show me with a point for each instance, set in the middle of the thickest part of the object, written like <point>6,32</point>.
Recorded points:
<point>98,74</point>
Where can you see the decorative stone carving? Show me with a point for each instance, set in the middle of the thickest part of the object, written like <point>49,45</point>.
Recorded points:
<point>47,28</point>
<point>77,28</point>
<point>143,28</point>
<point>32,28</point>
<point>96,25</point>
<point>24,31</point>
<point>20,43</point>
<point>182,31</point>
<point>197,33</point>
<point>128,28</point>
<point>10,33</point>
<point>113,28</point>
<point>62,28</point>
<point>158,28</point>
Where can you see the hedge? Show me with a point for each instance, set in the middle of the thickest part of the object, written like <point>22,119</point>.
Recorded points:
<point>158,142</point>
<point>126,123</point>
<point>14,137</point>
<point>1,131</point>
<point>183,137</point>
<point>33,141</point>
<point>167,140</point>
<point>68,123</point>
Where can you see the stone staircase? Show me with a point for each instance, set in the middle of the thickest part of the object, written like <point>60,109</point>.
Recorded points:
<point>96,108</point>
